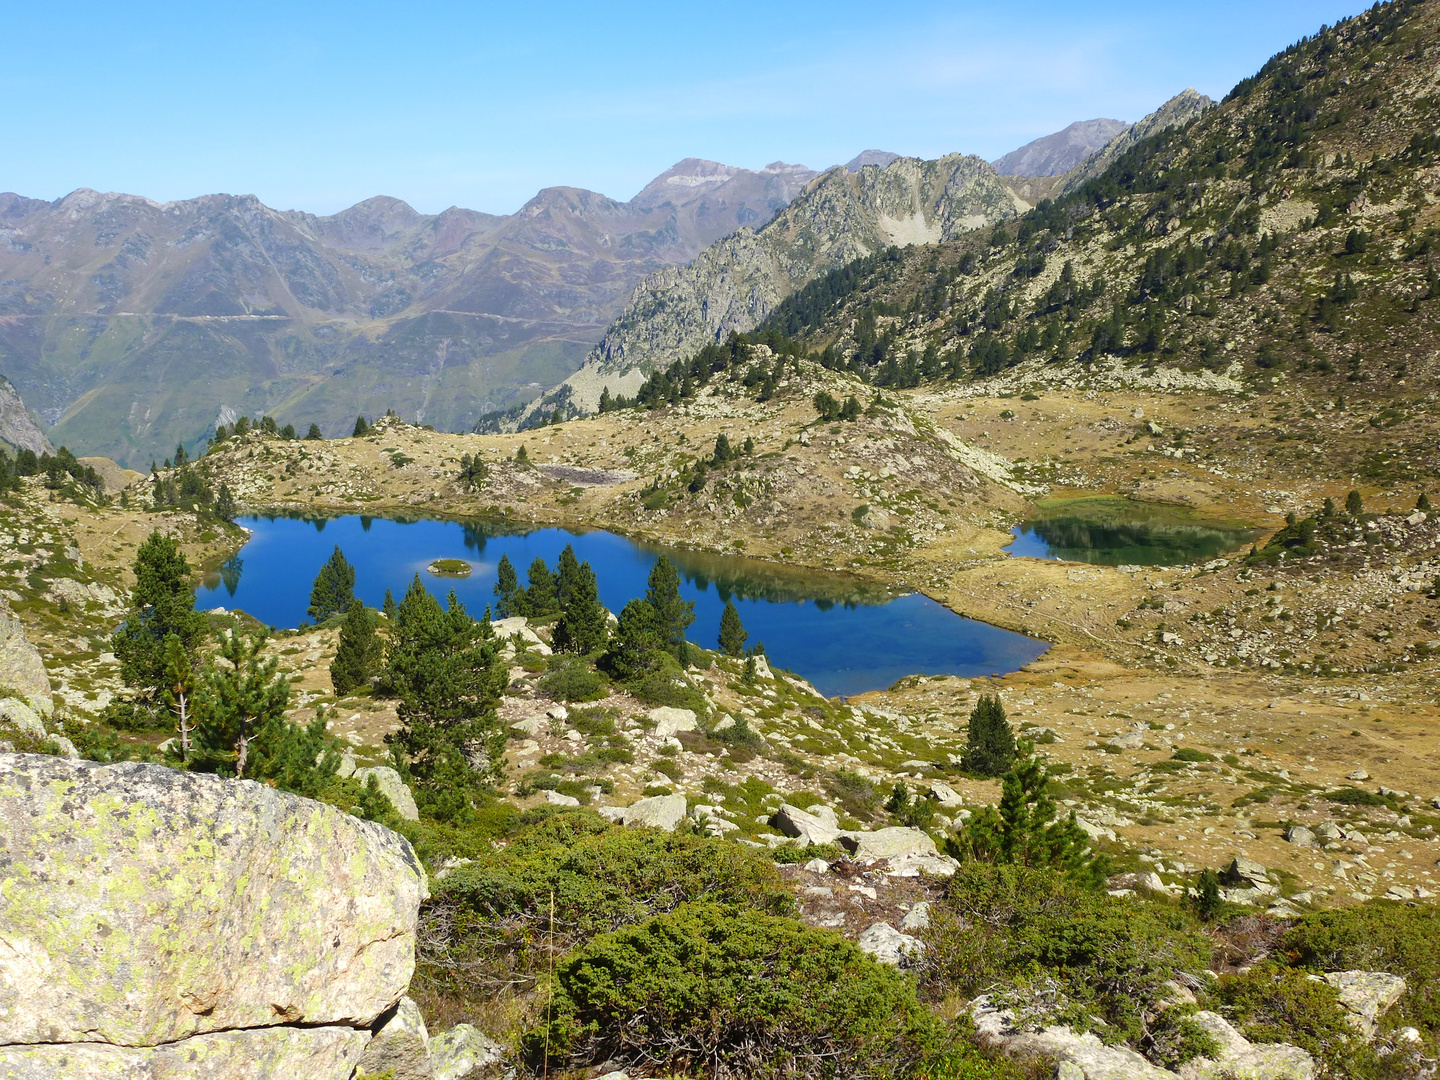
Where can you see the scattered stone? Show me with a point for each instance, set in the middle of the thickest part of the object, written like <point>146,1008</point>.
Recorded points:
<point>393,788</point>
<point>615,814</point>
<point>888,945</point>
<point>18,714</point>
<point>554,798</point>
<point>802,825</point>
<point>917,918</point>
<point>1358,774</point>
<point>1077,1057</point>
<point>945,795</point>
<point>21,666</point>
<point>530,726</point>
<point>1300,836</point>
<point>1245,872</point>
<point>660,812</point>
<point>1130,740</point>
<point>818,866</point>
<point>558,712</point>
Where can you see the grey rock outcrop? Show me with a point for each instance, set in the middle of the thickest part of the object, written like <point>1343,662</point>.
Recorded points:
<point>393,788</point>
<point>892,843</point>
<point>17,426</point>
<point>669,720</point>
<point>1240,1059</point>
<point>1180,109</point>
<point>401,1045</point>
<point>21,667</point>
<point>888,945</point>
<point>807,827</point>
<point>176,916</point>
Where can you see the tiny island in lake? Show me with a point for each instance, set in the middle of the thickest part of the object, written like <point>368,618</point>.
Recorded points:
<point>449,568</point>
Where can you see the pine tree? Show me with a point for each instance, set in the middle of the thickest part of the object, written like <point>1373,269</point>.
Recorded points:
<point>540,594</point>
<point>361,427</point>
<point>1026,830</point>
<point>446,669</point>
<point>509,599</point>
<point>1354,505</point>
<point>732,632</point>
<point>334,587</point>
<point>315,432</point>
<point>567,574</point>
<point>225,504</point>
<point>583,626</point>
<point>1423,502</point>
<point>163,604</point>
<point>673,615</point>
<point>723,453</point>
<point>237,700</point>
<point>389,608</point>
<point>990,746</point>
<point>639,641</point>
<point>359,650</point>
<point>288,432</point>
<point>179,691</point>
<point>181,458</point>
<point>606,401</point>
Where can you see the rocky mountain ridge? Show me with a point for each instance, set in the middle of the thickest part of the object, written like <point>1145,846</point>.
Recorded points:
<point>1054,154</point>
<point>17,427</point>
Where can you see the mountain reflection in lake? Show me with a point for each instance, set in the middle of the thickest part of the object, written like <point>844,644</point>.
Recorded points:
<point>1118,532</point>
<point>843,634</point>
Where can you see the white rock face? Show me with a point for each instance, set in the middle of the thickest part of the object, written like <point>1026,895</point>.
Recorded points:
<point>140,905</point>
<point>660,812</point>
<point>888,945</point>
<point>668,721</point>
<point>393,788</point>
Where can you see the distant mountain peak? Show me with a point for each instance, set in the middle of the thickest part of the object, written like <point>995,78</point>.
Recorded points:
<point>1055,154</point>
<point>695,178</point>
<point>871,157</point>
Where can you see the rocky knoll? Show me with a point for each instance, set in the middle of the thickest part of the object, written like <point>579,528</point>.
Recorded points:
<point>155,923</point>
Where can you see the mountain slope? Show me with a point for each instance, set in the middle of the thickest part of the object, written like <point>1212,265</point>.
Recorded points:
<point>1062,151</point>
<point>130,325</point>
<point>1181,109</point>
<point>735,284</point>
<point>1283,243</point>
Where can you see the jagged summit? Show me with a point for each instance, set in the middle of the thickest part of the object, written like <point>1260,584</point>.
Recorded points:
<point>870,157</point>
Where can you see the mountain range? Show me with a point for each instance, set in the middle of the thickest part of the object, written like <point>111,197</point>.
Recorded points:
<point>130,325</point>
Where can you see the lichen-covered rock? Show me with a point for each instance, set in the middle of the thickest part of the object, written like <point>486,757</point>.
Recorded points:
<point>141,905</point>
<point>20,715</point>
<point>668,721</point>
<point>1366,996</point>
<point>393,788</point>
<point>401,1045</point>
<point>287,1053</point>
<point>1077,1057</point>
<point>811,828</point>
<point>461,1050</point>
<point>891,843</point>
<point>888,945</point>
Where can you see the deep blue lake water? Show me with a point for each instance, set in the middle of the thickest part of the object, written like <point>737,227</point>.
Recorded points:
<point>843,635</point>
<point>1111,531</point>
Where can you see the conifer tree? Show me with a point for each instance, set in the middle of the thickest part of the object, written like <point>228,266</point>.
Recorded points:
<point>583,626</point>
<point>673,615</point>
<point>639,641</point>
<point>334,587</point>
<point>567,574</point>
<point>225,504</point>
<point>163,604</point>
<point>362,427</point>
<point>990,745</point>
<point>179,691</point>
<point>181,458</point>
<point>732,633</point>
<point>540,593</point>
<point>1423,502</point>
<point>509,598</point>
<point>723,453</point>
<point>1354,505</point>
<point>389,607</point>
<point>359,650</point>
<point>1026,830</point>
<point>446,669</point>
<point>315,433</point>
<point>288,432</point>
<point>238,700</point>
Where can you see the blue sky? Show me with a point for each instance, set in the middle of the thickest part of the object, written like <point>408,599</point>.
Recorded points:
<point>316,106</point>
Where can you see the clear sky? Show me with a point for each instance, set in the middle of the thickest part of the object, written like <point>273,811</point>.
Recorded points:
<point>315,106</point>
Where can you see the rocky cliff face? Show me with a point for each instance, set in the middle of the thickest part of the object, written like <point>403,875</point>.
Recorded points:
<point>130,325</point>
<point>1062,151</point>
<point>1180,109</point>
<point>152,919</point>
<point>735,283</point>
<point>17,427</point>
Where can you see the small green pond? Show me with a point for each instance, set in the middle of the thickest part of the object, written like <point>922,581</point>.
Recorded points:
<point>1115,531</point>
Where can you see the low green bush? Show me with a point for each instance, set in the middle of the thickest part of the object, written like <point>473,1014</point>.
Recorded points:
<point>572,678</point>
<point>488,923</point>
<point>1062,952</point>
<point>1189,753</point>
<point>1273,1003</point>
<point>734,993</point>
<point>1350,796</point>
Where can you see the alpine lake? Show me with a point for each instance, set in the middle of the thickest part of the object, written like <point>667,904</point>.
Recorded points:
<point>1114,531</point>
<point>842,634</point>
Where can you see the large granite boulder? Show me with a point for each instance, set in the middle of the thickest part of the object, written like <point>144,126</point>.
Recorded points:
<point>1240,1059</point>
<point>401,1046</point>
<point>1366,996</point>
<point>657,812</point>
<point>895,842</point>
<point>21,668</point>
<point>809,827</point>
<point>141,906</point>
<point>393,788</point>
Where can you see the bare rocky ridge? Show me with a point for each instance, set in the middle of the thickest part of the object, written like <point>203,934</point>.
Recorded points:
<point>17,426</point>
<point>1180,109</point>
<point>1062,151</point>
